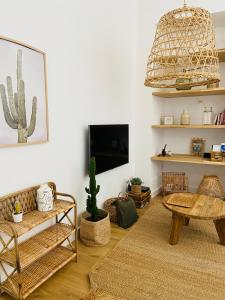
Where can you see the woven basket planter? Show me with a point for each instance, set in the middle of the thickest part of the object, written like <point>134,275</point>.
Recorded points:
<point>211,185</point>
<point>183,52</point>
<point>95,233</point>
<point>136,189</point>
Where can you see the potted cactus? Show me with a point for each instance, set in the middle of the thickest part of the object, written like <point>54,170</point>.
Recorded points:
<point>18,212</point>
<point>136,185</point>
<point>95,227</point>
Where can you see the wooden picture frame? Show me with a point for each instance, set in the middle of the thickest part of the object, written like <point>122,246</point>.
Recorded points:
<point>197,146</point>
<point>23,94</point>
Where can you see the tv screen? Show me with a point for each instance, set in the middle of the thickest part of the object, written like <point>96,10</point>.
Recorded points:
<point>109,144</point>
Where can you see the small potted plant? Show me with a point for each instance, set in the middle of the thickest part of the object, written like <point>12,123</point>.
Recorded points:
<point>136,185</point>
<point>95,229</point>
<point>18,213</point>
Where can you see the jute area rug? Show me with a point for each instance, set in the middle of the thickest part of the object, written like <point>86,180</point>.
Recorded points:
<point>144,265</point>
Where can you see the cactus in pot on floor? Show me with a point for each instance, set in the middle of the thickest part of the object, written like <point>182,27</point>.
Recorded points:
<point>92,191</point>
<point>14,107</point>
<point>95,229</point>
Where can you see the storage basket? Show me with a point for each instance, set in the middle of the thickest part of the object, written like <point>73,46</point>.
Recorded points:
<point>95,234</point>
<point>174,182</point>
<point>110,206</point>
<point>211,185</point>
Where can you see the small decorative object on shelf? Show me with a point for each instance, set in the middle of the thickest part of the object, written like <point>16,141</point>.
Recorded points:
<point>223,150</point>
<point>220,118</point>
<point>164,151</point>
<point>167,120</point>
<point>136,185</point>
<point>185,118</point>
<point>95,227</point>
<point>174,182</point>
<point>44,198</point>
<point>169,153</point>
<point>197,146</point>
<point>213,85</point>
<point>216,156</point>
<point>207,116</point>
<point>182,81</point>
<point>216,153</point>
<point>18,212</point>
<point>142,199</point>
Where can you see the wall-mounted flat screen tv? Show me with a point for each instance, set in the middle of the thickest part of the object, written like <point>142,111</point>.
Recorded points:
<point>109,144</point>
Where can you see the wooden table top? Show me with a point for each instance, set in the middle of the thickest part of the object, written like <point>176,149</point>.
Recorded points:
<point>201,206</point>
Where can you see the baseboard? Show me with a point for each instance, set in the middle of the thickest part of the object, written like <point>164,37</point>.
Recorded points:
<point>156,192</point>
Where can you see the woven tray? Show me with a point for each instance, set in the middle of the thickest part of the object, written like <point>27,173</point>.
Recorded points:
<point>182,200</point>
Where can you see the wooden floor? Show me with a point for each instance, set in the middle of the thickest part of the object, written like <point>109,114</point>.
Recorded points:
<point>72,283</point>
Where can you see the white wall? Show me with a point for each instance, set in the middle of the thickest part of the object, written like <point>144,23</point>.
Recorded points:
<point>148,108</point>
<point>90,47</point>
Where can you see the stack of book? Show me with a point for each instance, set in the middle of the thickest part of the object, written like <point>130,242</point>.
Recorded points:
<point>220,118</point>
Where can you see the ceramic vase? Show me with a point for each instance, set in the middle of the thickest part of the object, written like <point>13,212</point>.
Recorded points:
<point>44,198</point>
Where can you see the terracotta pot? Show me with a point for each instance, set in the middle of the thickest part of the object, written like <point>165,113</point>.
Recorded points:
<point>95,233</point>
<point>136,189</point>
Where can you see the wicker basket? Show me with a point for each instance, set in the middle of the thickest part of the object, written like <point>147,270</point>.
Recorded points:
<point>174,182</point>
<point>211,185</point>
<point>95,233</point>
<point>110,206</point>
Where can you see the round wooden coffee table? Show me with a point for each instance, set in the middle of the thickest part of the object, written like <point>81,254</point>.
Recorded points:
<point>185,206</point>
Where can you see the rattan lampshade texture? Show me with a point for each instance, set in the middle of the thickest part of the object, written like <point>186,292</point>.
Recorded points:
<point>184,50</point>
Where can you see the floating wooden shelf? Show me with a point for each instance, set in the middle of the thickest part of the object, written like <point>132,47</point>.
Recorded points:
<point>39,245</point>
<point>193,126</point>
<point>39,272</point>
<point>190,93</point>
<point>188,159</point>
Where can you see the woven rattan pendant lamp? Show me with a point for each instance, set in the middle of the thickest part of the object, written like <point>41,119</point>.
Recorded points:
<point>183,52</point>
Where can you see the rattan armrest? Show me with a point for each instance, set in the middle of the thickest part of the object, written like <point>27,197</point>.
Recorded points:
<point>66,195</point>
<point>7,228</point>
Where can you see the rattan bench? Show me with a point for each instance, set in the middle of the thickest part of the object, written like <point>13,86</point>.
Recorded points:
<point>42,254</point>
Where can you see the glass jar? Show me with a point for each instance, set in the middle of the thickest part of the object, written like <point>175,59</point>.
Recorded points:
<point>207,116</point>
<point>185,118</point>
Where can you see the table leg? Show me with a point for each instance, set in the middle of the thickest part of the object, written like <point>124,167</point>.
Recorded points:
<point>186,221</point>
<point>220,228</point>
<point>177,222</point>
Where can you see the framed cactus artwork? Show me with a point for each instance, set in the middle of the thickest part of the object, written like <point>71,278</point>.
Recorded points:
<point>23,94</point>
